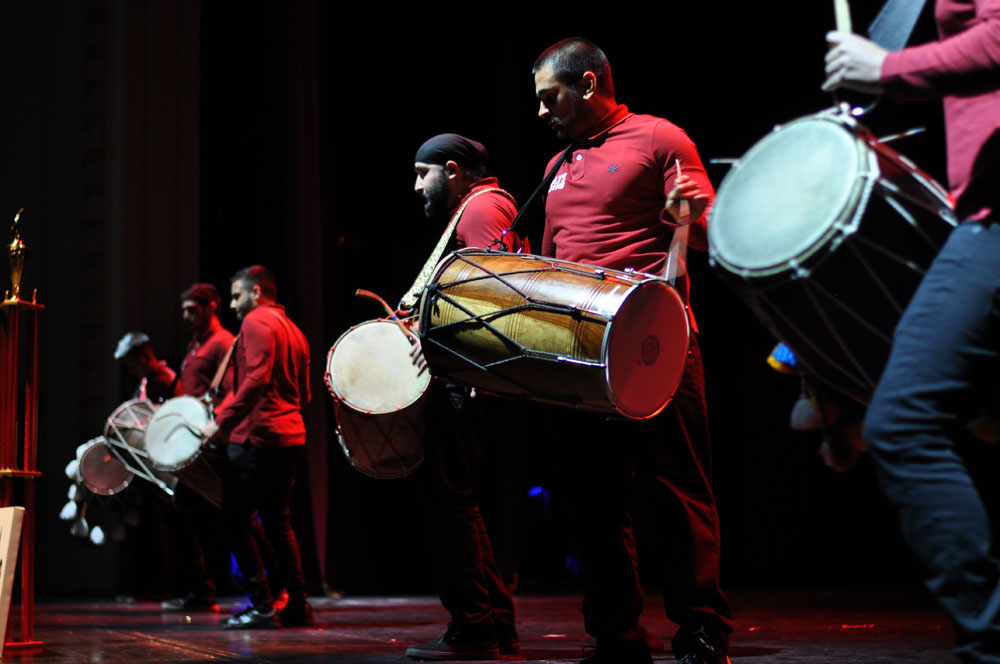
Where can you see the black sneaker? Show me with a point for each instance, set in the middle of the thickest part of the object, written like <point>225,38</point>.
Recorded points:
<point>190,602</point>
<point>700,646</point>
<point>629,651</point>
<point>297,614</point>
<point>251,618</point>
<point>457,644</point>
<point>508,642</point>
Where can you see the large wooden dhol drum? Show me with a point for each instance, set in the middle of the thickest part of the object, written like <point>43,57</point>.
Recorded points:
<point>525,326</point>
<point>826,233</point>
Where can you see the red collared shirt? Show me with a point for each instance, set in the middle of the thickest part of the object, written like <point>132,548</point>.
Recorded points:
<point>271,381</point>
<point>605,206</point>
<point>485,218</point>
<point>202,359</point>
<point>963,68</point>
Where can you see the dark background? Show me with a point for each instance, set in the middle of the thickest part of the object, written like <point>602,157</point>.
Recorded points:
<point>156,144</point>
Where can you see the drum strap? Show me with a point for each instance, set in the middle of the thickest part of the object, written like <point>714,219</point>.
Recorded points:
<point>424,278</point>
<point>223,365</point>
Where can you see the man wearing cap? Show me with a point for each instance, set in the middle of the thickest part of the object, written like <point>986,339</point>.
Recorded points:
<point>452,179</point>
<point>157,381</point>
<point>263,422</point>
<point>631,188</point>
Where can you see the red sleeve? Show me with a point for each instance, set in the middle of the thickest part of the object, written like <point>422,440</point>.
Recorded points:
<point>484,220</point>
<point>258,343</point>
<point>964,62</point>
<point>672,146</point>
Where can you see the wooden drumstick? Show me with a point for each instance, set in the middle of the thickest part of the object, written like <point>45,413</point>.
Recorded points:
<point>843,13</point>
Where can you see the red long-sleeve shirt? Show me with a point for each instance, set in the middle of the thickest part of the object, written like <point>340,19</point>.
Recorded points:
<point>271,381</point>
<point>202,359</point>
<point>962,68</point>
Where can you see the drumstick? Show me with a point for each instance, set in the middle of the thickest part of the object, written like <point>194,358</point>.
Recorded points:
<point>843,13</point>
<point>361,292</point>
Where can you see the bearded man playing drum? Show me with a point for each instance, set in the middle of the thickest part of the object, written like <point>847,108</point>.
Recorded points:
<point>452,179</point>
<point>630,186</point>
<point>263,423</point>
<point>945,358</point>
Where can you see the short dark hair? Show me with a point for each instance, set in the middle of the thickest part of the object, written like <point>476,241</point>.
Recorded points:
<point>257,275</point>
<point>571,58</point>
<point>203,294</point>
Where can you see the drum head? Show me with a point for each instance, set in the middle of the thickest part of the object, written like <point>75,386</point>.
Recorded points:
<point>100,470</point>
<point>173,436</point>
<point>127,424</point>
<point>790,192</point>
<point>371,371</point>
<point>646,349</point>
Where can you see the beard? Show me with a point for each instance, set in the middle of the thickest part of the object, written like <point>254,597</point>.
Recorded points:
<point>436,198</point>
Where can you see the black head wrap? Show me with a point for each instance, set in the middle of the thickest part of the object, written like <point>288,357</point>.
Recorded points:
<point>451,147</point>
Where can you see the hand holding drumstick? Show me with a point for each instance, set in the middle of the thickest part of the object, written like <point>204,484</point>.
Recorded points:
<point>686,201</point>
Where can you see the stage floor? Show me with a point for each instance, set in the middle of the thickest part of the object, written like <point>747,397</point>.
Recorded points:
<point>790,627</point>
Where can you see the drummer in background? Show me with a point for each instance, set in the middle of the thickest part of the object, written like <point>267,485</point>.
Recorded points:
<point>199,524</point>
<point>267,435</point>
<point>453,182</point>
<point>629,191</point>
<point>945,357</point>
<point>157,381</point>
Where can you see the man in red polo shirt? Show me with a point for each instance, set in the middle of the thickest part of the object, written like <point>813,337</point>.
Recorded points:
<point>945,354</point>
<point>630,191</point>
<point>266,432</point>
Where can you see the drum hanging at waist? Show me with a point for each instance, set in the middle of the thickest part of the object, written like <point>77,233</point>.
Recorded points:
<point>379,396</point>
<point>525,326</point>
<point>826,233</point>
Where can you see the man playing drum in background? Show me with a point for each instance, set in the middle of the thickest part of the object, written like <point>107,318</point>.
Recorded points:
<point>452,179</point>
<point>945,357</point>
<point>629,183</point>
<point>263,423</point>
<point>157,381</point>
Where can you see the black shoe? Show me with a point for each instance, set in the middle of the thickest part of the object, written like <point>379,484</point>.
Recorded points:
<point>700,646</point>
<point>251,618</point>
<point>190,602</point>
<point>630,651</point>
<point>508,642</point>
<point>457,644</point>
<point>297,614</point>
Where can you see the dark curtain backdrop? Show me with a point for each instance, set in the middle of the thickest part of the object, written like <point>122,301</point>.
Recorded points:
<point>159,143</point>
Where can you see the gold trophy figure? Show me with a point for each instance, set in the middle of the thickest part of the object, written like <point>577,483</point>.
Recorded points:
<point>16,254</point>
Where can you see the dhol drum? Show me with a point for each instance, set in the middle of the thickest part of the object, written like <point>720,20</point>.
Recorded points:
<point>525,326</point>
<point>826,233</point>
<point>379,395</point>
<point>100,470</point>
<point>174,444</point>
<point>125,433</point>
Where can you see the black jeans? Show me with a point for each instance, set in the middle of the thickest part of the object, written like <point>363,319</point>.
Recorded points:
<point>943,367</point>
<point>264,480</point>
<point>670,455</point>
<point>469,583</point>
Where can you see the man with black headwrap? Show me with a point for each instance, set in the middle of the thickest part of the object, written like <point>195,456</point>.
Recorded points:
<point>452,178</point>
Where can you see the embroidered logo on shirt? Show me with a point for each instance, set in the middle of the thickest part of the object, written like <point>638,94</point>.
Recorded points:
<point>612,168</point>
<point>558,183</point>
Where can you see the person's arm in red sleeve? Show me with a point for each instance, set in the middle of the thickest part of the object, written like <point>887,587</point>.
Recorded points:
<point>258,342</point>
<point>688,191</point>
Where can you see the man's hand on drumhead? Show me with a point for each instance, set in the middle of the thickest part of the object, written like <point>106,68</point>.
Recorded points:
<point>853,62</point>
<point>209,432</point>
<point>417,357</point>
<point>686,201</point>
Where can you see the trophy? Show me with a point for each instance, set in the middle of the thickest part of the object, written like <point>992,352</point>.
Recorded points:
<point>16,254</point>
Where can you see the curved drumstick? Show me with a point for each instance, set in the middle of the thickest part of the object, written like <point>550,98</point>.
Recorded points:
<point>361,292</point>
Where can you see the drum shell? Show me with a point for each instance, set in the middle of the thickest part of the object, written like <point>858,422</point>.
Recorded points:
<point>101,471</point>
<point>379,396</point>
<point>126,426</point>
<point>524,326</point>
<point>837,301</point>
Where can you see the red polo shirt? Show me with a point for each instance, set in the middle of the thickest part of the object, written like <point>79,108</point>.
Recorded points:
<point>605,206</point>
<point>202,359</point>
<point>485,218</point>
<point>963,68</point>
<point>271,381</point>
